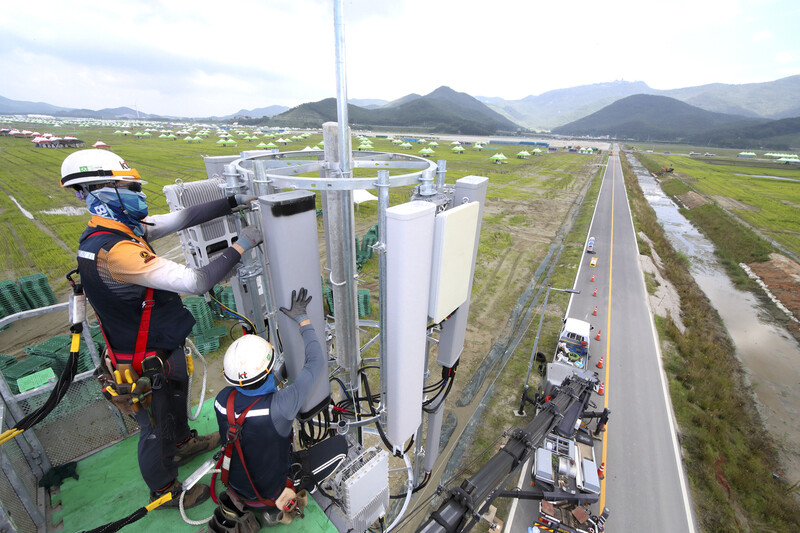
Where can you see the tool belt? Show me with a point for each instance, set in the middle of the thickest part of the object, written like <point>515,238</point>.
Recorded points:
<point>127,380</point>
<point>124,387</point>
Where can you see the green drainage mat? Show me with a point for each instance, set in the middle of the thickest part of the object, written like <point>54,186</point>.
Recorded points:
<point>110,488</point>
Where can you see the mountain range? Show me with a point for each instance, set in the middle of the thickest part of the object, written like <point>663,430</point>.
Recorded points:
<point>647,117</point>
<point>774,100</point>
<point>728,115</point>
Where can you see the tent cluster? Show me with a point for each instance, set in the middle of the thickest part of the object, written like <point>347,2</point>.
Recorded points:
<point>498,158</point>
<point>779,155</point>
<point>426,152</point>
<point>784,158</point>
<point>44,140</point>
<point>365,143</point>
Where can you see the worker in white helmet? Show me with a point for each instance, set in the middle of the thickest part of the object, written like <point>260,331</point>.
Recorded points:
<point>135,295</point>
<point>257,419</point>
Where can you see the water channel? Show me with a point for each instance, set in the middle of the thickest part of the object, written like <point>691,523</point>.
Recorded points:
<point>768,353</point>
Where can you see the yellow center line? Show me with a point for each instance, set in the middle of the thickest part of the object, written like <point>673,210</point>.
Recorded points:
<point>608,338</point>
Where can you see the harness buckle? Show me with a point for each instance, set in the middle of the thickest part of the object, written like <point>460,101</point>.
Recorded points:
<point>233,434</point>
<point>147,303</point>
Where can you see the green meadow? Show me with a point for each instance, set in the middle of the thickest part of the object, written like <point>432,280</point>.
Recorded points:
<point>762,194</point>
<point>48,243</point>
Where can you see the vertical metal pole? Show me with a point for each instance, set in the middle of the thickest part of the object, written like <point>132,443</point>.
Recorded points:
<point>341,226</point>
<point>533,352</point>
<point>342,262</point>
<point>380,247</point>
<point>341,90</point>
<point>441,171</point>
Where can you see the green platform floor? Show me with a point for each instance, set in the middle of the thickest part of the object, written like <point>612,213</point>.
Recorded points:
<point>110,488</point>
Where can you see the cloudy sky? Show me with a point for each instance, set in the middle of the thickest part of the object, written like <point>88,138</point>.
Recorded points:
<point>200,57</point>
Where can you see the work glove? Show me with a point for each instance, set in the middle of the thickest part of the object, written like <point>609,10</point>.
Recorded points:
<point>249,237</point>
<point>244,200</point>
<point>299,303</point>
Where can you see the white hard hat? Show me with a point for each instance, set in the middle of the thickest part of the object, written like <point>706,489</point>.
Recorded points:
<point>248,360</point>
<point>93,166</point>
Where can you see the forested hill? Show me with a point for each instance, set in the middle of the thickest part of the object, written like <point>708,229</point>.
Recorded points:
<point>444,110</point>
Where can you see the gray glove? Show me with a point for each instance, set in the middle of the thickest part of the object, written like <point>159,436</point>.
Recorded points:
<point>299,303</point>
<point>245,199</point>
<point>249,237</point>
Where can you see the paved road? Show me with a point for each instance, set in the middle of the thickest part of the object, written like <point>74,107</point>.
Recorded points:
<point>645,486</point>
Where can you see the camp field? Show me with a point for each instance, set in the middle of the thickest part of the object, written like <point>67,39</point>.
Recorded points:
<point>763,194</point>
<point>47,242</point>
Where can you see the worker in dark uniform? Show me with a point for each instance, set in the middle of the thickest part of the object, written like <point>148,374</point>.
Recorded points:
<point>259,476</point>
<point>134,293</point>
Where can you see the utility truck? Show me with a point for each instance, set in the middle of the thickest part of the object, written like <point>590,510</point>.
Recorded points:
<point>572,354</point>
<point>565,468</point>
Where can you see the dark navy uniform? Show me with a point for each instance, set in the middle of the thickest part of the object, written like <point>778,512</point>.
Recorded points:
<point>264,436</point>
<point>116,267</point>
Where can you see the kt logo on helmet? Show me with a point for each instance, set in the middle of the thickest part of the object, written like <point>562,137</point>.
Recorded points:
<point>124,165</point>
<point>242,375</point>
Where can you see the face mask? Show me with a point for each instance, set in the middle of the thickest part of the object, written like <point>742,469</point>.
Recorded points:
<point>122,205</point>
<point>134,203</point>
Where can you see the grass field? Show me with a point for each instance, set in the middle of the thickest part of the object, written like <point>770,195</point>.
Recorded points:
<point>770,206</point>
<point>49,242</point>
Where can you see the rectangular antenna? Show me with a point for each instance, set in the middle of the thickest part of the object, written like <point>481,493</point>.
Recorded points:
<point>409,242</point>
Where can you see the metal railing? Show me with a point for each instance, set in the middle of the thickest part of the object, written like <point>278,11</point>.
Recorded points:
<point>81,424</point>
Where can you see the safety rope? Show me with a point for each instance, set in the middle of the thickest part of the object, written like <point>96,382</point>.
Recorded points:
<point>62,385</point>
<point>138,514</point>
<point>190,370</point>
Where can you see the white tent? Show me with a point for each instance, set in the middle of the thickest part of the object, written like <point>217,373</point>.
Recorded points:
<point>362,195</point>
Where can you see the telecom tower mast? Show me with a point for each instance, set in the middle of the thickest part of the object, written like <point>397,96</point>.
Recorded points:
<point>426,253</point>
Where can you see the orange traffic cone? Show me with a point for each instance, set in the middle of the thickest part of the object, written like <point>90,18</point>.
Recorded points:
<point>597,338</point>
<point>592,278</point>
<point>594,313</point>
<point>600,362</point>
<point>601,472</point>
<point>595,292</point>
<point>602,388</point>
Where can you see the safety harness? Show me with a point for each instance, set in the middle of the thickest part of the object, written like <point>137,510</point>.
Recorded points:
<point>140,351</point>
<point>129,367</point>
<point>224,463</point>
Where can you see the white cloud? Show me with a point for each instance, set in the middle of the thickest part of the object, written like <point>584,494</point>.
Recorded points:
<point>762,36</point>
<point>203,57</point>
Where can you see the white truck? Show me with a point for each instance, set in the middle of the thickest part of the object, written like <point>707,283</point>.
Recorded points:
<point>572,354</point>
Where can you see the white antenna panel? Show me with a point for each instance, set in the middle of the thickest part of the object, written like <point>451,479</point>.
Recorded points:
<point>453,247</point>
<point>409,241</point>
